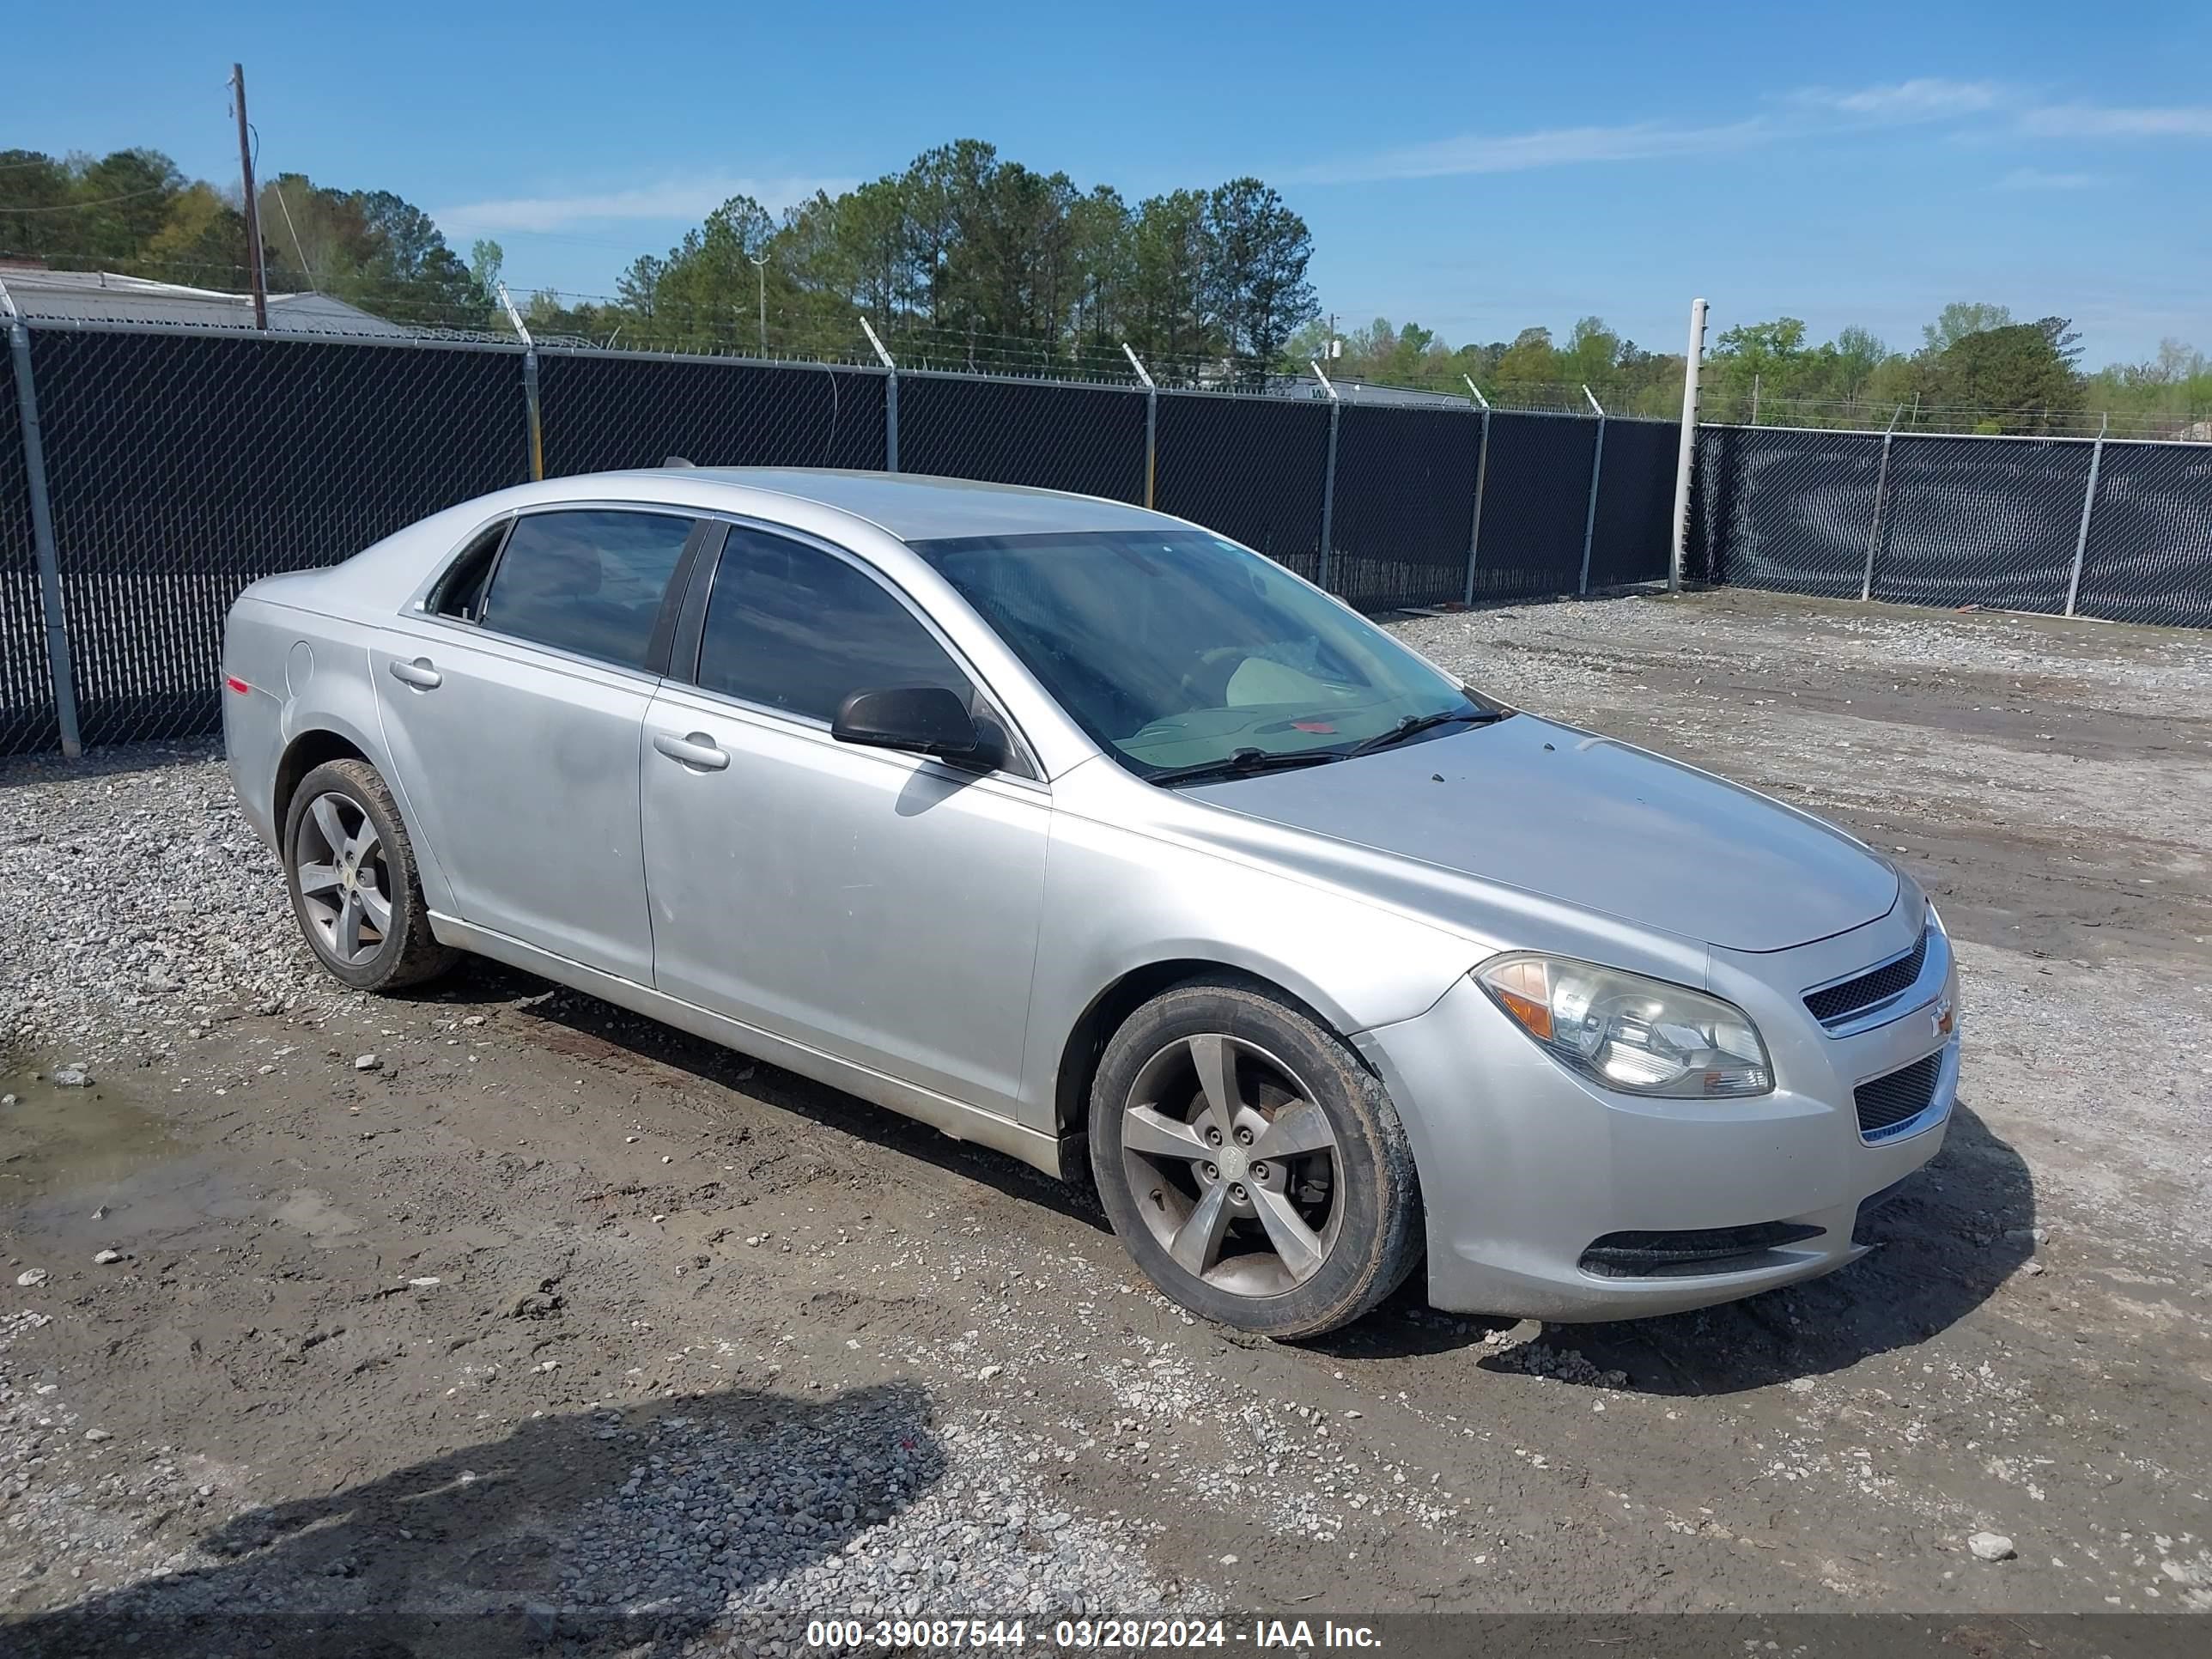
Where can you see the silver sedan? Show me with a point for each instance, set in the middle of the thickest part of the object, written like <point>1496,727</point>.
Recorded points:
<point>1086,834</point>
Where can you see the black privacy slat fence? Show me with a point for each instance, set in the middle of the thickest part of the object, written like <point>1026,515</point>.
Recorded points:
<point>27,721</point>
<point>1403,517</point>
<point>180,464</point>
<point>1088,439</point>
<point>1536,507</point>
<point>604,412</point>
<point>1252,468</point>
<point>2120,530</point>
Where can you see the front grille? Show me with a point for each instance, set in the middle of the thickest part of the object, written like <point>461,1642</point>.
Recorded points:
<point>1840,1002</point>
<point>1702,1250</point>
<point>1903,1094</point>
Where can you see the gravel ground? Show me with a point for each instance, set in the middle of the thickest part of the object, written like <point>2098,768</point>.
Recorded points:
<point>569,1327</point>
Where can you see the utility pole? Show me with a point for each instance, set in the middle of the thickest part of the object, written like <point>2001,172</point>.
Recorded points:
<point>760,275</point>
<point>256,273</point>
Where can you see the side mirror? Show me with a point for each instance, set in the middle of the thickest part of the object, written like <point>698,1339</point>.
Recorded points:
<point>925,719</point>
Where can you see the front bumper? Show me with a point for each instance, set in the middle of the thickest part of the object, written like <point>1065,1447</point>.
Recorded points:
<point>1524,1166</point>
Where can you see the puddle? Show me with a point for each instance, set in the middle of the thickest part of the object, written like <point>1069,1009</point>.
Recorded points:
<point>55,1140</point>
<point>92,1165</point>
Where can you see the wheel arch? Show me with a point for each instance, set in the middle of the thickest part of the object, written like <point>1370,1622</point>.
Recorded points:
<point>314,747</point>
<point>1104,1014</point>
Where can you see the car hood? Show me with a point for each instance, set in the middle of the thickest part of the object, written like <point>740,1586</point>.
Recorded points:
<point>1590,822</point>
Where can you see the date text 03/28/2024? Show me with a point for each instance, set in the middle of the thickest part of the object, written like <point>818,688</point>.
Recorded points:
<point>1088,1634</point>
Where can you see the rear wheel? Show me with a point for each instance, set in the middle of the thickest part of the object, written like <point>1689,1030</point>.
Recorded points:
<point>350,870</point>
<point>1256,1171</point>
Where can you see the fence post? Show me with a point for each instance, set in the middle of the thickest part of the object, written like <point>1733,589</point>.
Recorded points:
<point>1597,469</point>
<point>1686,453</point>
<point>42,531</point>
<point>1328,479</point>
<point>529,386</point>
<point>1881,500</point>
<point>1481,477</point>
<point>1152,422</point>
<point>890,399</point>
<point>2088,504</point>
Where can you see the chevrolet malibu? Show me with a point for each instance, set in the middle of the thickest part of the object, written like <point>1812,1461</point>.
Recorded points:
<point>1086,834</point>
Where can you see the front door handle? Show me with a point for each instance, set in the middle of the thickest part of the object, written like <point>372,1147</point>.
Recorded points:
<point>418,674</point>
<point>697,750</point>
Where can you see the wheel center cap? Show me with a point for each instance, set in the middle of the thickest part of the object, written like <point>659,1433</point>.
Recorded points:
<point>1232,1163</point>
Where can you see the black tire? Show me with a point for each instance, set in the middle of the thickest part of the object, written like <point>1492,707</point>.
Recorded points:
<point>404,953</point>
<point>1372,1238</point>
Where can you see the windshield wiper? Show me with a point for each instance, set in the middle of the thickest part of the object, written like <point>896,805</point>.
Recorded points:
<point>1244,763</point>
<point>1417,723</point>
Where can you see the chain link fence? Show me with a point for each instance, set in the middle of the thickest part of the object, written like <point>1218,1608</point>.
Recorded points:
<point>1051,434</point>
<point>2115,529</point>
<point>607,410</point>
<point>1254,469</point>
<point>27,718</point>
<point>182,464</point>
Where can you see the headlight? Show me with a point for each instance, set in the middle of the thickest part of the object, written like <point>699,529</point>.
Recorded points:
<point>1642,1036</point>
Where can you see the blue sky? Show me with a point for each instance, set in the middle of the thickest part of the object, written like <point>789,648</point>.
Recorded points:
<point>1477,169</point>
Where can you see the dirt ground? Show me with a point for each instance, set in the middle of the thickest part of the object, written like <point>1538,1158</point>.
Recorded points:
<point>551,1310</point>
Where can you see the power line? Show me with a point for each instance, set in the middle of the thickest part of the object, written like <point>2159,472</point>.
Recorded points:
<point>105,201</point>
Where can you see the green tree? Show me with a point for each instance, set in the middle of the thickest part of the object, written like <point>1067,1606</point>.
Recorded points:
<point>1257,251</point>
<point>1961,318</point>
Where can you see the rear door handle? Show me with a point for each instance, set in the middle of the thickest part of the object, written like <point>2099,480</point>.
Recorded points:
<point>418,674</point>
<point>697,750</point>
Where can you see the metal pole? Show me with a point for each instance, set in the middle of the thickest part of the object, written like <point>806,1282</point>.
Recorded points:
<point>256,273</point>
<point>1482,478</point>
<point>1881,499</point>
<point>1327,478</point>
<point>1754,400</point>
<point>1685,452</point>
<point>1152,422</point>
<point>529,386</point>
<point>2088,504</point>
<point>42,532</point>
<point>1477,391</point>
<point>890,399</point>
<point>1597,469</point>
<point>760,274</point>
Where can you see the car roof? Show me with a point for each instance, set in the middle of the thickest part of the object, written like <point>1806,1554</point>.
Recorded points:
<point>919,508</point>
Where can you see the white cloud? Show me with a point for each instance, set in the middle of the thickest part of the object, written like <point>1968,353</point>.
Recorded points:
<point>2101,121</point>
<point>688,199</point>
<point>1925,98</point>
<point>1811,112</point>
<point>1550,147</point>
<point>2038,178</point>
<point>1805,114</point>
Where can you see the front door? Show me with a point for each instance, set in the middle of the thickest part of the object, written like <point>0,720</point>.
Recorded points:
<point>880,906</point>
<point>514,714</point>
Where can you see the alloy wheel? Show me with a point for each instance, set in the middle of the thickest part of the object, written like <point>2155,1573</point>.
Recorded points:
<point>345,888</point>
<point>1232,1164</point>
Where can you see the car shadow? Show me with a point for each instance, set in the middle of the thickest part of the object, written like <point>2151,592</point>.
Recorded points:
<point>611,1531</point>
<point>582,1025</point>
<point>1951,1236</point>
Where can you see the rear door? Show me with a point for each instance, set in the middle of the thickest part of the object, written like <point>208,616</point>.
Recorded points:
<point>876,906</point>
<point>514,710</point>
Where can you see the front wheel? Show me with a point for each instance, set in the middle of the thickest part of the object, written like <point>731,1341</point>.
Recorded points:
<point>351,871</point>
<point>1254,1170</point>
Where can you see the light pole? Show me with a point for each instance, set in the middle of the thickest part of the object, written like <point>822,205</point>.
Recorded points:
<point>760,274</point>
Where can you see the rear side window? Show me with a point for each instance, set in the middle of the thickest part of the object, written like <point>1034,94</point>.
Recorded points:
<point>590,583</point>
<point>795,629</point>
<point>461,591</point>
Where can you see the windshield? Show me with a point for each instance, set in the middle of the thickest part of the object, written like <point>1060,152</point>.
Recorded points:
<point>1180,649</point>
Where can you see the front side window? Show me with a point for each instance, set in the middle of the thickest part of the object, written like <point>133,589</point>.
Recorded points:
<point>795,629</point>
<point>1178,649</point>
<point>590,581</point>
